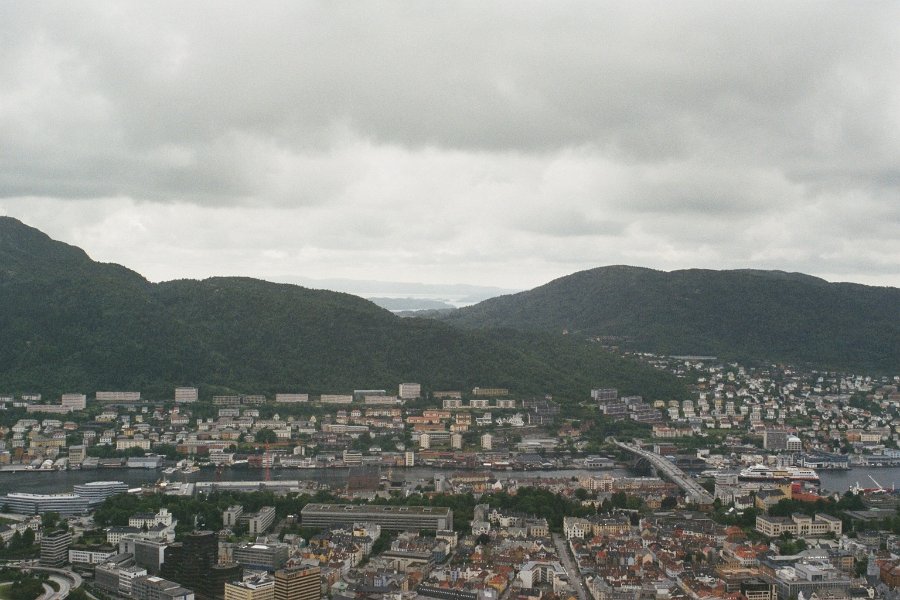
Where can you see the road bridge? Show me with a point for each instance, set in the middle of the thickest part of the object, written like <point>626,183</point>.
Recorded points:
<point>694,491</point>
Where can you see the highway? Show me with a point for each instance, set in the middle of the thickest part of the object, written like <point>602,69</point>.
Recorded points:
<point>65,580</point>
<point>694,491</point>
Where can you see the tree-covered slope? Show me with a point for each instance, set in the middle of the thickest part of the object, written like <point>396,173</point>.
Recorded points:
<point>766,315</point>
<point>68,323</point>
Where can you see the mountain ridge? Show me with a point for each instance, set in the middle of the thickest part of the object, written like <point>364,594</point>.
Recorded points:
<point>70,323</point>
<point>744,314</point>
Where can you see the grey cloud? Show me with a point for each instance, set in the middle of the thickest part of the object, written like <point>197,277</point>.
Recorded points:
<point>736,134</point>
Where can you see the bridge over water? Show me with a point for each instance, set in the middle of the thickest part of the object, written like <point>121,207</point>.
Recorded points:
<point>694,491</point>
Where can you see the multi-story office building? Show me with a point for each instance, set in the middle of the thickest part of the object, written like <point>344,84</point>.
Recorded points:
<point>148,553</point>
<point>389,517</point>
<point>81,556</point>
<point>231,515</point>
<point>259,587</point>
<point>298,583</point>
<point>32,504</point>
<point>97,491</point>
<point>186,394</point>
<point>74,401</point>
<point>150,587</point>
<point>55,548</point>
<point>759,589</point>
<point>193,563</point>
<point>811,576</point>
<point>127,575</point>
<point>259,522</point>
<point>261,557</point>
<point>106,578</point>
<point>77,454</point>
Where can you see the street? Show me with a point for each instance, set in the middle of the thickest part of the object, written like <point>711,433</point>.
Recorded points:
<point>562,548</point>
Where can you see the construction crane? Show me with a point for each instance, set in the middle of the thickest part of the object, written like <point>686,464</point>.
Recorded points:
<point>880,487</point>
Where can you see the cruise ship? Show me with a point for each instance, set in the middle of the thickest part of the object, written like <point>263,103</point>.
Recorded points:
<point>764,473</point>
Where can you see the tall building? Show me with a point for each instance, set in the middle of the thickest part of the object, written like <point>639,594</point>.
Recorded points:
<point>193,564</point>
<point>77,454</point>
<point>298,583</point>
<point>231,515</point>
<point>487,441</point>
<point>148,553</point>
<point>261,521</point>
<point>55,548</point>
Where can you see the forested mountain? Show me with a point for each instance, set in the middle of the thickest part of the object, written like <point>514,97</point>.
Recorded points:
<point>743,314</point>
<point>68,323</point>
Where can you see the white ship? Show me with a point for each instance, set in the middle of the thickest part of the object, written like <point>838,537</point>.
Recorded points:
<point>764,473</point>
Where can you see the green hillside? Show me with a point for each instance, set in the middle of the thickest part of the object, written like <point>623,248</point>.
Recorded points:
<point>68,323</point>
<point>744,314</point>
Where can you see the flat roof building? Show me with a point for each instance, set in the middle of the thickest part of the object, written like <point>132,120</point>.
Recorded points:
<point>298,583</point>
<point>261,557</point>
<point>32,504</point>
<point>186,394</point>
<point>150,587</point>
<point>97,491</point>
<point>55,548</point>
<point>258,587</point>
<point>389,517</point>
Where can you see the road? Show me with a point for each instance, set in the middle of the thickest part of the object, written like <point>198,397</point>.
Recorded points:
<point>65,580</point>
<point>697,493</point>
<point>562,548</point>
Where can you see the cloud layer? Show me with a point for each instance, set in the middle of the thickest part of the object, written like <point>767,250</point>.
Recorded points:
<point>500,143</point>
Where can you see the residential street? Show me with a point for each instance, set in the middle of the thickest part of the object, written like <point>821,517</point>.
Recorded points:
<point>568,562</point>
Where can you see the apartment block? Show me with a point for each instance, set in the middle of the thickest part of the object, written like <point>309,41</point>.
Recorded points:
<point>186,394</point>
<point>74,401</point>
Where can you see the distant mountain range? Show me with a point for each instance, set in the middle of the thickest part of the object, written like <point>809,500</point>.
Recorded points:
<point>741,314</point>
<point>68,323</point>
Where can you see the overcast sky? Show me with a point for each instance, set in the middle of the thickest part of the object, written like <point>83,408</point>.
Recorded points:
<point>492,143</point>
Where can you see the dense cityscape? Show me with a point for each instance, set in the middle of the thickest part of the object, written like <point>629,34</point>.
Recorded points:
<point>461,494</point>
<point>468,300</point>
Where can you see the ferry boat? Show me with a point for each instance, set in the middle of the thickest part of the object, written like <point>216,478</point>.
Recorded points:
<point>764,473</point>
